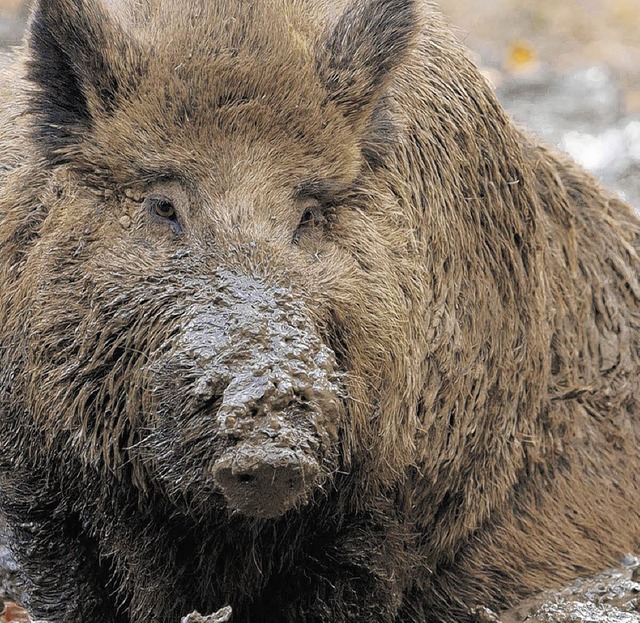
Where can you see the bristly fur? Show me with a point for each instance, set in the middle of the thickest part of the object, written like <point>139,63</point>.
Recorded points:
<point>362,49</point>
<point>344,182</point>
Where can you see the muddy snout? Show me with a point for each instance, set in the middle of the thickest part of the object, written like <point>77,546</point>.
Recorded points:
<point>277,397</point>
<point>278,421</point>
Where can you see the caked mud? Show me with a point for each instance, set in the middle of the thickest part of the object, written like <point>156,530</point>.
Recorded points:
<point>264,383</point>
<point>610,597</point>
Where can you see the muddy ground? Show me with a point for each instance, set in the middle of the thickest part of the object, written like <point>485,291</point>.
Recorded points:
<point>611,597</point>
<point>569,71</point>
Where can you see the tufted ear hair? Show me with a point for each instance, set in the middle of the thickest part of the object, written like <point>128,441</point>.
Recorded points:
<point>76,54</point>
<point>360,52</point>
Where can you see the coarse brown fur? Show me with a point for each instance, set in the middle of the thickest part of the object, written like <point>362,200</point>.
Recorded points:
<point>479,292</point>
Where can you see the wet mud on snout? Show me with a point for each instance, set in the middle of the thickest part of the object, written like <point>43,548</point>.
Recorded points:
<point>267,387</point>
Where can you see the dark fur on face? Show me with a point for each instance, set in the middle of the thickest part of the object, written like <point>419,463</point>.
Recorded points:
<point>294,319</point>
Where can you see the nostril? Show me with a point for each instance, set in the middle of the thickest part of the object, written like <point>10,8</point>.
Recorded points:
<point>264,480</point>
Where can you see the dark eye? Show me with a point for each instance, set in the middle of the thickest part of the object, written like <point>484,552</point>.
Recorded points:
<point>163,208</point>
<point>313,216</point>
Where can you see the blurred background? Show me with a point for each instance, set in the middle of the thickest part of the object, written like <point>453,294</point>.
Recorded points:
<point>13,14</point>
<point>514,35</point>
<point>568,69</point>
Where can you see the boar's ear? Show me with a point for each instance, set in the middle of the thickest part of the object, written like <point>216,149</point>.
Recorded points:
<point>69,43</point>
<point>371,38</point>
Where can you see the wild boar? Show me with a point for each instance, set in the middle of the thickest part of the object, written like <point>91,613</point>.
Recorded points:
<point>293,319</point>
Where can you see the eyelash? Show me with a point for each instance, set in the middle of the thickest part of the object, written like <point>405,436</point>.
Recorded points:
<point>163,209</point>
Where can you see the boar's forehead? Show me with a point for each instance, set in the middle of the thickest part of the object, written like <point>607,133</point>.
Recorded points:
<point>218,71</point>
<point>225,94</point>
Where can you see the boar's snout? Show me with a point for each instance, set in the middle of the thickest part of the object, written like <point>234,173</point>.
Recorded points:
<point>262,405</point>
<point>278,420</point>
<point>265,480</point>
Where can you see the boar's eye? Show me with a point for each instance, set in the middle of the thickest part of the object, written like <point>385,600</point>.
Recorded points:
<point>162,208</point>
<point>313,217</point>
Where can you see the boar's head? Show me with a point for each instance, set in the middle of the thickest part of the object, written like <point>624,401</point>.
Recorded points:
<point>213,295</point>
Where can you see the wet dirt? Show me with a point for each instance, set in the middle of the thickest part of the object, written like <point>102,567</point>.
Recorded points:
<point>261,401</point>
<point>8,567</point>
<point>222,616</point>
<point>610,597</point>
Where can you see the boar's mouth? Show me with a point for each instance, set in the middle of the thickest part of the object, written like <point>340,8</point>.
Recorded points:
<point>275,446</point>
<point>262,462</point>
